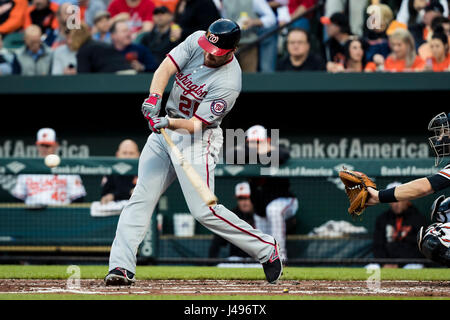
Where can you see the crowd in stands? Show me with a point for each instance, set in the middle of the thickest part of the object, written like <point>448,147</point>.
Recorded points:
<point>66,37</point>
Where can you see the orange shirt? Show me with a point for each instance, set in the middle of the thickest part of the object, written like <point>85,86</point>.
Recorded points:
<point>170,4</point>
<point>16,17</point>
<point>53,7</point>
<point>443,66</point>
<point>83,13</point>
<point>394,65</point>
<point>371,66</point>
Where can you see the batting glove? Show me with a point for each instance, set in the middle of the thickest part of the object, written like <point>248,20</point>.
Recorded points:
<point>156,123</point>
<point>151,106</point>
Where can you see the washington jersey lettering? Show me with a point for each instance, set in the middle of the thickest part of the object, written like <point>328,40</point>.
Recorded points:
<point>200,91</point>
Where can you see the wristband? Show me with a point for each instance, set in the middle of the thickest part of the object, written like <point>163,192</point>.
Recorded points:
<point>153,98</point>
<point>387,195</point>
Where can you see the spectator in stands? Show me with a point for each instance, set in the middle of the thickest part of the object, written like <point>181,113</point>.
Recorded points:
<point>139,56</point>
<point>300,57</point>
<point>338,31</point>
<point>411,11</point>
<point>40,190</point>
<point>94,56</point>
<point>376,36</point>
<point>102,25</point>
<point>440,23</point>
<point>89,9</point>
<point>268,48</point>
<point>159,41</point>
<point>283,17</point>
<point>8,61</point>
<point>298,8</point>
<point>355,58</point>
<point>43,14</point>
<point>35,57</point>
<point>440,56</point>
<point>356,13</point>
<point>403,57</point>
<point>12,15</point>
<point>251,15</point>
<point>139,12</point>
<point>58,37</point>
<point>117,187</point>
<point>64,59</point>
<point>396,230</point>
<point>245,211</point>
<point>422,31</point>
<point>189,20</point>
<point>445,23</point>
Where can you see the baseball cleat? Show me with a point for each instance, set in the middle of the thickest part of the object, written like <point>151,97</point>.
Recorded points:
<point>119,277</point>
<point>273,268</point>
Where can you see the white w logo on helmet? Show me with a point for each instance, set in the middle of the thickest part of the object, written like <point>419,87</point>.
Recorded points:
<point>213,38</point>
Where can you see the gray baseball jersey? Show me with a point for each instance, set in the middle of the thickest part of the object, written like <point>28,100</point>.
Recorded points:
<point>208,94</point>
<point>200,91</point>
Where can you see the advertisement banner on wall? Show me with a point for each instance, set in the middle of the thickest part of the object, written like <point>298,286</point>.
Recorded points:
<point>301,147</point>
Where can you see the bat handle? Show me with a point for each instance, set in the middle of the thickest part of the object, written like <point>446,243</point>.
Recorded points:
<point>166,137</point>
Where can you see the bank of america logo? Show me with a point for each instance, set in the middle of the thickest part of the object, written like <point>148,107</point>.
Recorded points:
<point>122,167</point>
<point>15,166</point>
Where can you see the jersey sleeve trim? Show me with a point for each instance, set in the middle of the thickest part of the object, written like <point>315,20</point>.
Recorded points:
<point>202,120</point>
<point>445,174</point>
<point>174,62</point>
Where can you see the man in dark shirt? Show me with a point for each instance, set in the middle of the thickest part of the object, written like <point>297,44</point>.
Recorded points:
<point>159,41</point>
<point>194,15</point>
<point>139,57</point>
<point>95,56</point>
<point>243,210</point>
<point>299,56</point>
<point>115,187</point>
<point>396,230</point>
<point>338,31</point>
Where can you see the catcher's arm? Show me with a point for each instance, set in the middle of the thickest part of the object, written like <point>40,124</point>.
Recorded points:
<point>408,191</point>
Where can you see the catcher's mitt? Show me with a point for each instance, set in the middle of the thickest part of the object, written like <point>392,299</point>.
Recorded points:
<point>356,184</point>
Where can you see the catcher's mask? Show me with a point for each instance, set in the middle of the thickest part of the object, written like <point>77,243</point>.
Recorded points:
<point>440,142</point>
<point>433,243</point>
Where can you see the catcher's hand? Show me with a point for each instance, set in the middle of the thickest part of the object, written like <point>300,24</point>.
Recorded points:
<point>356,184</point>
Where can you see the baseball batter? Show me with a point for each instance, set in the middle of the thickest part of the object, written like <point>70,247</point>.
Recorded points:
<point>207,83</point>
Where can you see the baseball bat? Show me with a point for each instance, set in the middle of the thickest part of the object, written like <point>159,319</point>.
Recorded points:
<point>199,185</point>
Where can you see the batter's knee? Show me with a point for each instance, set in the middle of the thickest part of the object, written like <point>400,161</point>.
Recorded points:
<point>203,212</point>
<point>208,215</point>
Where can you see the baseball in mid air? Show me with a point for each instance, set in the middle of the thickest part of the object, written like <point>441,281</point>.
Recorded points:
<point>52,160</point>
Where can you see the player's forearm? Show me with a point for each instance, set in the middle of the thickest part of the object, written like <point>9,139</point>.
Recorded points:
<point>414,189</point>
<point>409,191</point>
<point>189,125</point>
<point>161,76</point>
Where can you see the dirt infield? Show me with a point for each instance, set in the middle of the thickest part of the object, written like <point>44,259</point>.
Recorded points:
<point>233,287</point>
